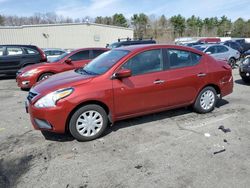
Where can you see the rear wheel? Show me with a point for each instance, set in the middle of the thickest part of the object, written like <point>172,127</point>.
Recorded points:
<point>88,122</point>
<point>206,100</point>
<point>44,76</point>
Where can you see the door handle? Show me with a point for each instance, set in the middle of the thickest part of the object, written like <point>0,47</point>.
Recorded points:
<point>201,74</point>
<point>159,81</point>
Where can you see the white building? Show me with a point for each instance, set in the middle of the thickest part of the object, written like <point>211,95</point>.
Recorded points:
<point>67,36</point>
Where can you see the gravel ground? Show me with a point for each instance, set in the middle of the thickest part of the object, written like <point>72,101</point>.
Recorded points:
<point>168,149</point>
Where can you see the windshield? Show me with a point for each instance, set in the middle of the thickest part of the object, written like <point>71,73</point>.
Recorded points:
<point>105,61</point>
<point>58,58</point>
<point>201,48</point>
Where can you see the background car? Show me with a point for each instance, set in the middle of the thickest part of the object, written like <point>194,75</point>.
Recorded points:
<point>52,53</point>
<point>127,82</point>
<point>14,57</point>
<point>128,42</point>
<point>245,45</point>
<point>244,69</point>
<point>28,76</point>
<point>234,45</point>
<point>220,52</point>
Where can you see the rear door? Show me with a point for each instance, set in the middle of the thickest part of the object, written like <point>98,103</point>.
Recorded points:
<point>31,56</point>
<point>3,65</point>
<point>79,59</point>
<point>222,52</point>
<point>186,74</point>
<point>11,59</point>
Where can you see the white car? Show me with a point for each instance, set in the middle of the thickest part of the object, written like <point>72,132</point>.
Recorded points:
<point>219,51</point>
<point>53,53</point>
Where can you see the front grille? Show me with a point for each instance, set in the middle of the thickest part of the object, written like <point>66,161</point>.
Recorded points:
<point>31,95</point>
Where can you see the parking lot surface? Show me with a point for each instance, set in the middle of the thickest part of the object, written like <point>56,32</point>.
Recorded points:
<point>177,148</point>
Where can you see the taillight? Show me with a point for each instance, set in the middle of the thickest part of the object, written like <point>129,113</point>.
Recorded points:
<point>43,55</point>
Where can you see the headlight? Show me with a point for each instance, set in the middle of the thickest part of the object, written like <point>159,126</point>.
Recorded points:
<point>29,73</point>
<point>51,99</point>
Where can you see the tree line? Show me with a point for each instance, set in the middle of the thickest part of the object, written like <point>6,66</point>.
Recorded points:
<point>160,28</point>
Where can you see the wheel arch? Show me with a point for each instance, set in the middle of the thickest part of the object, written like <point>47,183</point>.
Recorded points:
<point>96,102</point>
<point>45,72</point>
<point>216,87</point>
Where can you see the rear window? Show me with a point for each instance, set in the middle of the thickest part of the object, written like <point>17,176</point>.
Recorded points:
<point>11,51</point>
<point>181,58</point>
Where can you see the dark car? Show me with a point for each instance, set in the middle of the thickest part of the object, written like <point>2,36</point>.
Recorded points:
<point>127,82</point>
<point>245,45</point>
<point>246,53</point>
<point>14,57</point>
<point>235,45</point>
<point>245,69</point>
<point>128,42</point>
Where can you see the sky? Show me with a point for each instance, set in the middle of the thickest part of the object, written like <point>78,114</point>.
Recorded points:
<point>233,9</point>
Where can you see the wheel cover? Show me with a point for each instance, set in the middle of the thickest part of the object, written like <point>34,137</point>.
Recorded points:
<point>89,123</point>
<point>207,100</point>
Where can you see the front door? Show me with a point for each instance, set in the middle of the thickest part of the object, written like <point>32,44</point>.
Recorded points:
<point>142,92</point>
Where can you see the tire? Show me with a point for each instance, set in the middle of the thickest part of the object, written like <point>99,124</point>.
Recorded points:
<point>44,76</point>
<point>206,100</point>
<point>85,131</point>
<point>232,62</point>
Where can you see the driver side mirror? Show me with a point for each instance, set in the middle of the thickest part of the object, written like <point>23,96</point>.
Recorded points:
<point>123,73</point>
<point>208,53</point>
<point>68,61</point>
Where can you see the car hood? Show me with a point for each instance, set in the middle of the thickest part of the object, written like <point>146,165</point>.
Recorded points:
<point>61,80</point>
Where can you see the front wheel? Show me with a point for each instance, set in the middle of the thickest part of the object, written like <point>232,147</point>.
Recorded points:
<point>88,122</point>
<point>206,100</point>
<point>44,76</point>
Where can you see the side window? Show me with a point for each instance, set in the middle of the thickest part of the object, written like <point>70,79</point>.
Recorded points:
<point>97,53</point>
<point>11,51</point>
<point>1,51</point>
<point>181,58</point>
<point>221,49</point>
<point>145,62</point>
<point>58,52</point>
<point>30,51</point>
<point>212,50</point>
<point>82,55</point>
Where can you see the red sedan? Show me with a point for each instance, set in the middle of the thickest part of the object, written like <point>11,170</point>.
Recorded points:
<point>30,75</point>
<point>127,82</point>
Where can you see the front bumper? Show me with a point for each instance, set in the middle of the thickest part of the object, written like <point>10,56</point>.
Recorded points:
<point>244,71</point>
<point>50,119</point>
<point>25,82</point>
